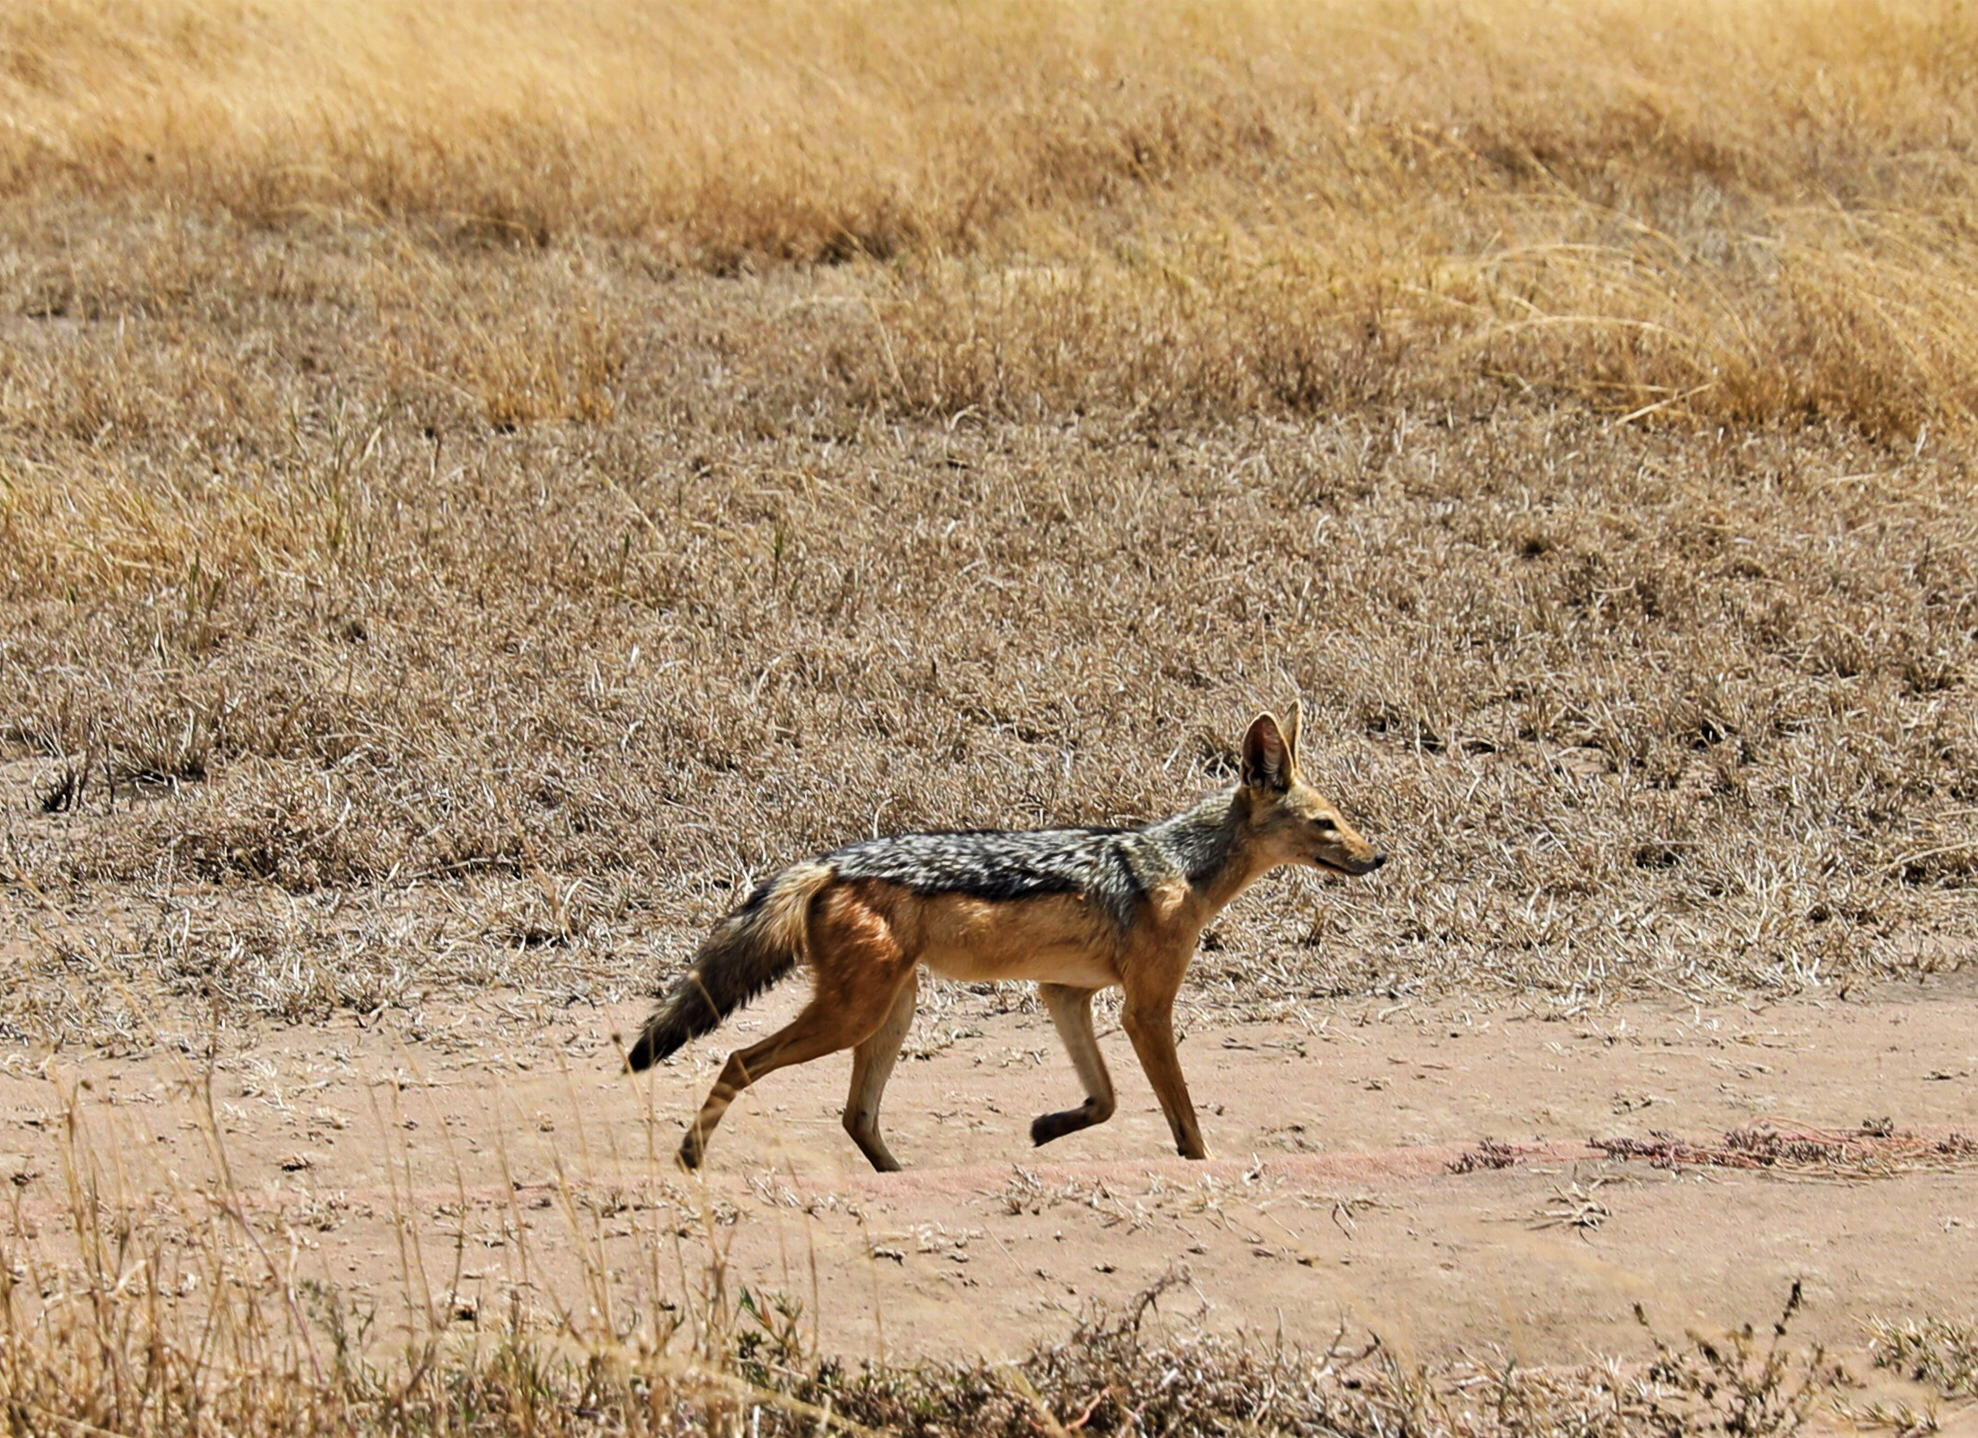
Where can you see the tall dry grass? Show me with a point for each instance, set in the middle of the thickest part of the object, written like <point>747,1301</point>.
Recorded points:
<point>1739,212</point>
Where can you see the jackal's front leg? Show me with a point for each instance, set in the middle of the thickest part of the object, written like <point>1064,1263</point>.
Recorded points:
<point>1071,1011</point>
<point>1149,1022</point>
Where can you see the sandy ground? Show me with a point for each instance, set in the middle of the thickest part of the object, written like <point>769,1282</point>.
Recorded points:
<point>495,1155</point>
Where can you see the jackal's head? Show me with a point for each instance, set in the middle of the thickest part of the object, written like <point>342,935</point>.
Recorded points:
<point>1288,821</point>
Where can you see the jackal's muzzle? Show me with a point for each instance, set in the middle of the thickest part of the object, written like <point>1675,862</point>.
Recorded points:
<point>1351,868</point>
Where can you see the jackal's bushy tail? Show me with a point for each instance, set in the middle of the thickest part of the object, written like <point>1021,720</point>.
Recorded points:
<point>747,952</point>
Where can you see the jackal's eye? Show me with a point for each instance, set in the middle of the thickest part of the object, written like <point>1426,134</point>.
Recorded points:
<point>1324,826</point>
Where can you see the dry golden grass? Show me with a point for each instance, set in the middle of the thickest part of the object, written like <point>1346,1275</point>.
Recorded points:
<point>1737,212</point>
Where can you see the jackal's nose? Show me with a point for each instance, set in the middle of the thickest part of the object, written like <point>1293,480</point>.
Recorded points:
<point>1376,862</point>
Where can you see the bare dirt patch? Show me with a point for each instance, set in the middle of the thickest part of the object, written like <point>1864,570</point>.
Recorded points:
<point>499,1157</point>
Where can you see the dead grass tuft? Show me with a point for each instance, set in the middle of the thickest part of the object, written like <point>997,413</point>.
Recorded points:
<point>1936,1351</point>
<point>1116,1373</point>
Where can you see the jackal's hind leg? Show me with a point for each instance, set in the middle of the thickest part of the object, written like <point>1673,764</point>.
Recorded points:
<point>858,971</point>
<point>1071,1011</point>
<point>812,1034</point>
<point>872,1065</point>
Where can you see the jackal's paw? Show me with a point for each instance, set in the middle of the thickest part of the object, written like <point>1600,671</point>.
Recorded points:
<point>1047,1126</point>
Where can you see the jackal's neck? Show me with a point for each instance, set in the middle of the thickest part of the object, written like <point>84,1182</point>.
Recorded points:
<point>1205,845</point>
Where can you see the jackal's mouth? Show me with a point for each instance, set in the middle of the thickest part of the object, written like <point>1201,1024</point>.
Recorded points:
<point>1350,871</point>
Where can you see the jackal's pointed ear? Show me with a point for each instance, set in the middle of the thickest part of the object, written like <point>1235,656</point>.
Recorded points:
<point>1293,730</point>
<point>1266,757</point>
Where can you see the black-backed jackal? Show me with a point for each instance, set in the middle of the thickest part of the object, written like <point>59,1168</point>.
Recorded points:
<point>1076,910</point>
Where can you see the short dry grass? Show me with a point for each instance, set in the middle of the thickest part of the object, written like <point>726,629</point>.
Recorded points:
<point>462,519</point>
<point>69,1370</point>
<point>352,681</point>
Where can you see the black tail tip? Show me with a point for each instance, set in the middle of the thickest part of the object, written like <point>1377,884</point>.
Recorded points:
<point>656,1041</point>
